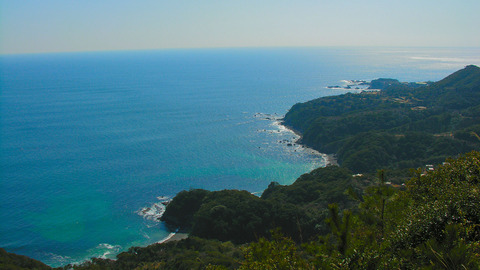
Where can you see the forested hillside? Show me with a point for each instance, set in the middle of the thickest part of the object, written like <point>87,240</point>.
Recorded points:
<point>238,216</point>
<point>401,126</point>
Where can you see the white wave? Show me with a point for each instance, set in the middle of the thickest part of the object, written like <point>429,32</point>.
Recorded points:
<point>106,249</point>
<point>156,210</point>
<point>106,245</point>
<point>56,259</point>
<point>282,128</point>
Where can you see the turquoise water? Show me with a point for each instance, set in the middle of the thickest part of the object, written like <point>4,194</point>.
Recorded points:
<point>88,140</point>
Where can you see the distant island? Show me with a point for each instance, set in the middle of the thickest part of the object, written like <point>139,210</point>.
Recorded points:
<point>405,194</point>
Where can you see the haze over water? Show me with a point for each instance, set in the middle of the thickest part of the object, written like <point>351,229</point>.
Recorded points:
<point>89,139</point>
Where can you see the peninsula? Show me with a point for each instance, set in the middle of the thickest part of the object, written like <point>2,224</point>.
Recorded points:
<point>402,126</point>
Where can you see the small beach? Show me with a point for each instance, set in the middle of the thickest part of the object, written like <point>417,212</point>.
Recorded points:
<point>174,237</point>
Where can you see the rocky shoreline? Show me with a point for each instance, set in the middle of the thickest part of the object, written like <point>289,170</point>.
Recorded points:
<point>330,159</point>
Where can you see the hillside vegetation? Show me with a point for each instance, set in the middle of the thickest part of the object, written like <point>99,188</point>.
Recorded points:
<point>401,126</point>
<point>238,216</point>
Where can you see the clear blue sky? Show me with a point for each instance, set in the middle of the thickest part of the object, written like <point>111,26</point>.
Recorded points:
<point>28,26</point>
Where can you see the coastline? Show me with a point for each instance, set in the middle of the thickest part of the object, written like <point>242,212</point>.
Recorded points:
<point>174,236</point>
<point>330,159</point>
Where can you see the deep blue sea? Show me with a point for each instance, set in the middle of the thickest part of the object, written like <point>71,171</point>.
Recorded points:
<point>88,140</point>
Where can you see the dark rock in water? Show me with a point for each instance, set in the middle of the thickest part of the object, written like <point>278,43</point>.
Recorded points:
<point>289,144</point>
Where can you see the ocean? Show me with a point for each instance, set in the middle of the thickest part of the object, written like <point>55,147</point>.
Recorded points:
<point>92,142</point>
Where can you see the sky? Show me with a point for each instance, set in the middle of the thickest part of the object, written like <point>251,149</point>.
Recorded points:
<point>43,26</point>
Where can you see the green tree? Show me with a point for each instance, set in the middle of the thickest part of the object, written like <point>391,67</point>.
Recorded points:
<point>277,254</point>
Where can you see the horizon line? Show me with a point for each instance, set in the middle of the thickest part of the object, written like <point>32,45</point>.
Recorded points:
<point>227,48</point>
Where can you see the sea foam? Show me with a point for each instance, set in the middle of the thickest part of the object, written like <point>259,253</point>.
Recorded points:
<point>156,210</point>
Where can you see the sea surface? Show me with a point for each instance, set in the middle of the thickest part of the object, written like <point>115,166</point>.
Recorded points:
<point>91,143</point>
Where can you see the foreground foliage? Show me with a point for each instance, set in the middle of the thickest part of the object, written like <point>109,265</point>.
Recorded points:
<point>433,224</point>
